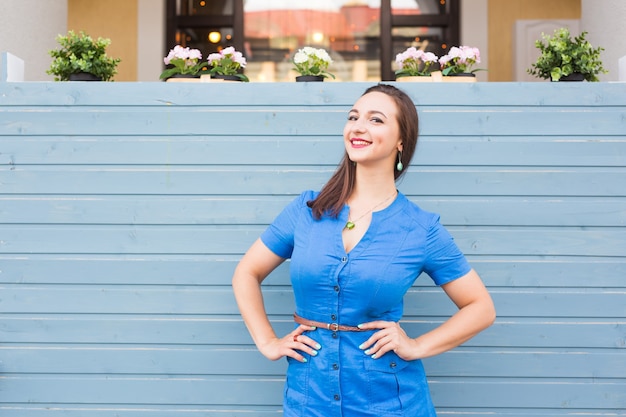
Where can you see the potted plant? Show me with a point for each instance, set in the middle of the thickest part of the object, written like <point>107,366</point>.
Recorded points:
<point>185,63</point>
<point>415,65</point>
<point>312,64</point>
<point>82,58</point>
<point>565,59</point>
<point>459,61</point>
<point>226,64</point>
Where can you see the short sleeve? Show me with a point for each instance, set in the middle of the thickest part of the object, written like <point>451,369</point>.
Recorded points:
<point>279,235</point>
<point>444,262</point>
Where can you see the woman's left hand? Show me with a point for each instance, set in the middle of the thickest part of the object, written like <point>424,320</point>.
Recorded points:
<point>390,337</point>
<point>476,313</point>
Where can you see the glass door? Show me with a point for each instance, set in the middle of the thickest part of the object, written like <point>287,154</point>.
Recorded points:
<point>361,36</point>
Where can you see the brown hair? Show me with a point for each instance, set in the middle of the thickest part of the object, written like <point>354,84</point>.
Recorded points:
<point>335,193</point>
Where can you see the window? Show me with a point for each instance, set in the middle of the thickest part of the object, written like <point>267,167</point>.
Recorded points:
<point>362,37</point>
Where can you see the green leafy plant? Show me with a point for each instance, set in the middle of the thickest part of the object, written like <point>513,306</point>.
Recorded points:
<point>183,61</point>
<point>81,53</point>
<point>312,61</point>
<point>460,60</point>
<point>562,56</point>
<point>228,61</point>
<point>415,62</point>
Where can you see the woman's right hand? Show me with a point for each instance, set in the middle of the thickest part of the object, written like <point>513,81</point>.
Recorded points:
<point>252,269</point>
<point>291,345</point>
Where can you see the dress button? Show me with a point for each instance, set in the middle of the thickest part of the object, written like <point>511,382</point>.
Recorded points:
<point>333,317</point>
<point>336,288</point>
<point>392,365</point>
<point>335,366</point>
<point>334,335</point>
<point>344,259</point>
<point>336,397</point>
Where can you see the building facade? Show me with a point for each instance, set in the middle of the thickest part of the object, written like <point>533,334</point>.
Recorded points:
<point>139,32</point>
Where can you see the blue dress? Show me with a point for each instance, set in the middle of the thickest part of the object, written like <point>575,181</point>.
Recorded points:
<point>366,284</point>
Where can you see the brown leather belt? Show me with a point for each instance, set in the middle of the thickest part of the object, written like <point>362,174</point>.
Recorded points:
<point>328,326</point>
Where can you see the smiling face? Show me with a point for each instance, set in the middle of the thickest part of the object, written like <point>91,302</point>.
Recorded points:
<point>372,134</point>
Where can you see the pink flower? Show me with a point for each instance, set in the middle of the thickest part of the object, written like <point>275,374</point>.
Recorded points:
<point>429,57</point>
<point>414,61</point>
<point>214,57</point>
<point>228,61</point>
<point>183,60</point>
<point>195,54</point>
<point>226,54</point>
<point>459,60</point>
<point>444,60</point>
<point>178,52</point>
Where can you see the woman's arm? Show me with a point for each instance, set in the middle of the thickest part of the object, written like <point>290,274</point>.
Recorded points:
<point>476,313</point>
<point>253,268</point>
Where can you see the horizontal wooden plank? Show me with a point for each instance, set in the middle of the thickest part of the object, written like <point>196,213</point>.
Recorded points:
<point>138,389</point>
<point>558,363</point>
<point>123,410</point>
<point>318,94</point>
<point>174,121</point>
<point>185,210</point>
<point>543,393</point>
<point>574,272</point>
<point>422,302</point>
<point>230,240</point>
<point>236,360</point>
<point>151,410</point>
<point>301,120</point>
<point>61,299</point>
<point>506,271</point>
<point>123,269</point>
<point>307,150</point>
<point>166,329</point>
<point>173,150</point>
<point>291,180</point>
<point>526,211</point>
<point>162,180</point>
<point>521,332</point>
<point>145,360</point>
<point>511,303</point>
<point>236,391</point>
<point>526,412</point>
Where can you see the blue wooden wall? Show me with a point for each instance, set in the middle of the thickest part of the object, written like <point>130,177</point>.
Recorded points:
<point>124,208</point>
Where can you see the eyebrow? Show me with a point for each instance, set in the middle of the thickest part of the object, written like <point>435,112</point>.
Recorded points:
<point>370,112</point>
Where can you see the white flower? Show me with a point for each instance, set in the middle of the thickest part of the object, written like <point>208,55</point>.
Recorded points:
<point>312,61</point>
<point>323,55</point>
<point>300,57</point>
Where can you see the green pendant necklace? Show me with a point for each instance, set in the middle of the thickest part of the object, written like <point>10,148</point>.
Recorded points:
<point>350,224</point>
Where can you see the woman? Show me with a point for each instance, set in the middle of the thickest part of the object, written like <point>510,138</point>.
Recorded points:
<point>356,247</point>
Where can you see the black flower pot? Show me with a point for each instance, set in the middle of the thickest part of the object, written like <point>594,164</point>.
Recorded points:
<point>225,77</point>
<point>305,78</point>
<point>577,76</point>
<point>84,76</point>
<point>462,74</point>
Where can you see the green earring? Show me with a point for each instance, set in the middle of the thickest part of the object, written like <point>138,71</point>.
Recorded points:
<point>399,165</point>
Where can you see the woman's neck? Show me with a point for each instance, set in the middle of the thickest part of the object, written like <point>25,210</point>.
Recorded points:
<point>372,186</point>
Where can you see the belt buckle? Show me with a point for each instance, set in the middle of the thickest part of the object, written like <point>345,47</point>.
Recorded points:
<point>333,326</point>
